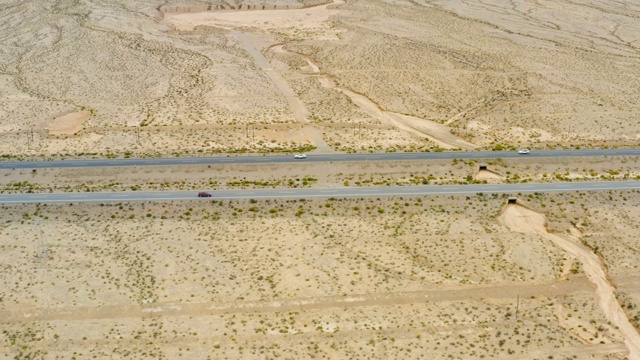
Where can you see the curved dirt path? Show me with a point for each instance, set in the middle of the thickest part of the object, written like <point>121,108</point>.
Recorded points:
<point>299,110</point>
<point>522,220</point>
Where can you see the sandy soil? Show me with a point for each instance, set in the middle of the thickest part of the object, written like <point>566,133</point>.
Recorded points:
<point>68,124</point>
<point>460,277</point>
<point>489,176</point>
<point>421,128</point>
<point>300,112</point>
<point>409,74</point>
<point>520,219</point>
<point>427,277</point>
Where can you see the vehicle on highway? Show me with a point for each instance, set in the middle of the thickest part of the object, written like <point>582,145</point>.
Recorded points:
<point>300,156</point>
<point>204,194</point>
<point>523,151</point>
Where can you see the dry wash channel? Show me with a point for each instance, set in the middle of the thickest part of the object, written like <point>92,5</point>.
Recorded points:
<point>522,220</point>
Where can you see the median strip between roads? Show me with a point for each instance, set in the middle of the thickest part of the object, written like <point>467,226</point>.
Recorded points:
<point>414,156</point>
<point>320,193</point>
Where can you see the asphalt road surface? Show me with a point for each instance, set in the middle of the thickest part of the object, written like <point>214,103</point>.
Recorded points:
<point>341,192</point>
<point>253,159</point>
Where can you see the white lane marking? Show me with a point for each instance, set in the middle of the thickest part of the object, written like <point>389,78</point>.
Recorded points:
<point>120,195</point>
<point>79,196</point>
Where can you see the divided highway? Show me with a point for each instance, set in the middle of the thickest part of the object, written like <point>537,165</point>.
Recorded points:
<point>513,189</point>
<point>254,159</point>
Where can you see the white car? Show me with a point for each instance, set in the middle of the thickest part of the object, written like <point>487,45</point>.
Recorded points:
<point>300,156</point>
<point>523,151</point>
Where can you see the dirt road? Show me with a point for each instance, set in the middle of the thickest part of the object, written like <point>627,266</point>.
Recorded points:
<point>299,110</point>
<point>556,288</point>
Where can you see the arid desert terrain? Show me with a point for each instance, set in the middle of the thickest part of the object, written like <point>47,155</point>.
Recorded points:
<point>199,77</point>
<point>421,277</point>
<point>476,276</point>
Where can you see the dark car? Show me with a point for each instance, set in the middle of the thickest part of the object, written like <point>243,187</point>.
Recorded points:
<point>204,194</point>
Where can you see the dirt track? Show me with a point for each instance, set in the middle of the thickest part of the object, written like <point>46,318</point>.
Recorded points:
<point>556,288</point>
<point>298,108</point>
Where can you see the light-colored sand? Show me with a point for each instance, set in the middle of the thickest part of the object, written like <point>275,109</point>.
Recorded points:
<point>69,124</point>
<point>297,107</point>
<point>437,133</point>
<point>489,176</point>
<point>392,276</point>
<point>443,74</point>
<point>551,289</point>
<point>430,277</point>
<point>523,220</point>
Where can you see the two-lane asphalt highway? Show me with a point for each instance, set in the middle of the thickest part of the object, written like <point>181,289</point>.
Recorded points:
<point>255,159</point>
<point>341,192</point>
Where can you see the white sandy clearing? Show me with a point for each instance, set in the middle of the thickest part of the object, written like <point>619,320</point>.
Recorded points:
<point>68,124</point>
<point>436,132</point>
<point>309,18</point>
<point>522,220</point>
<point>488,175</point>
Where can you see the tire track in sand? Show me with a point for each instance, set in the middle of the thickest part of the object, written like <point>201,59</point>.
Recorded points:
<point>550,289</point>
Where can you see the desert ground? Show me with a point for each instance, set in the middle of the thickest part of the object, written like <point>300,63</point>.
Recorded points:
<point>199,77</point>
<point>553,276</point>
<point>422,277</point>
